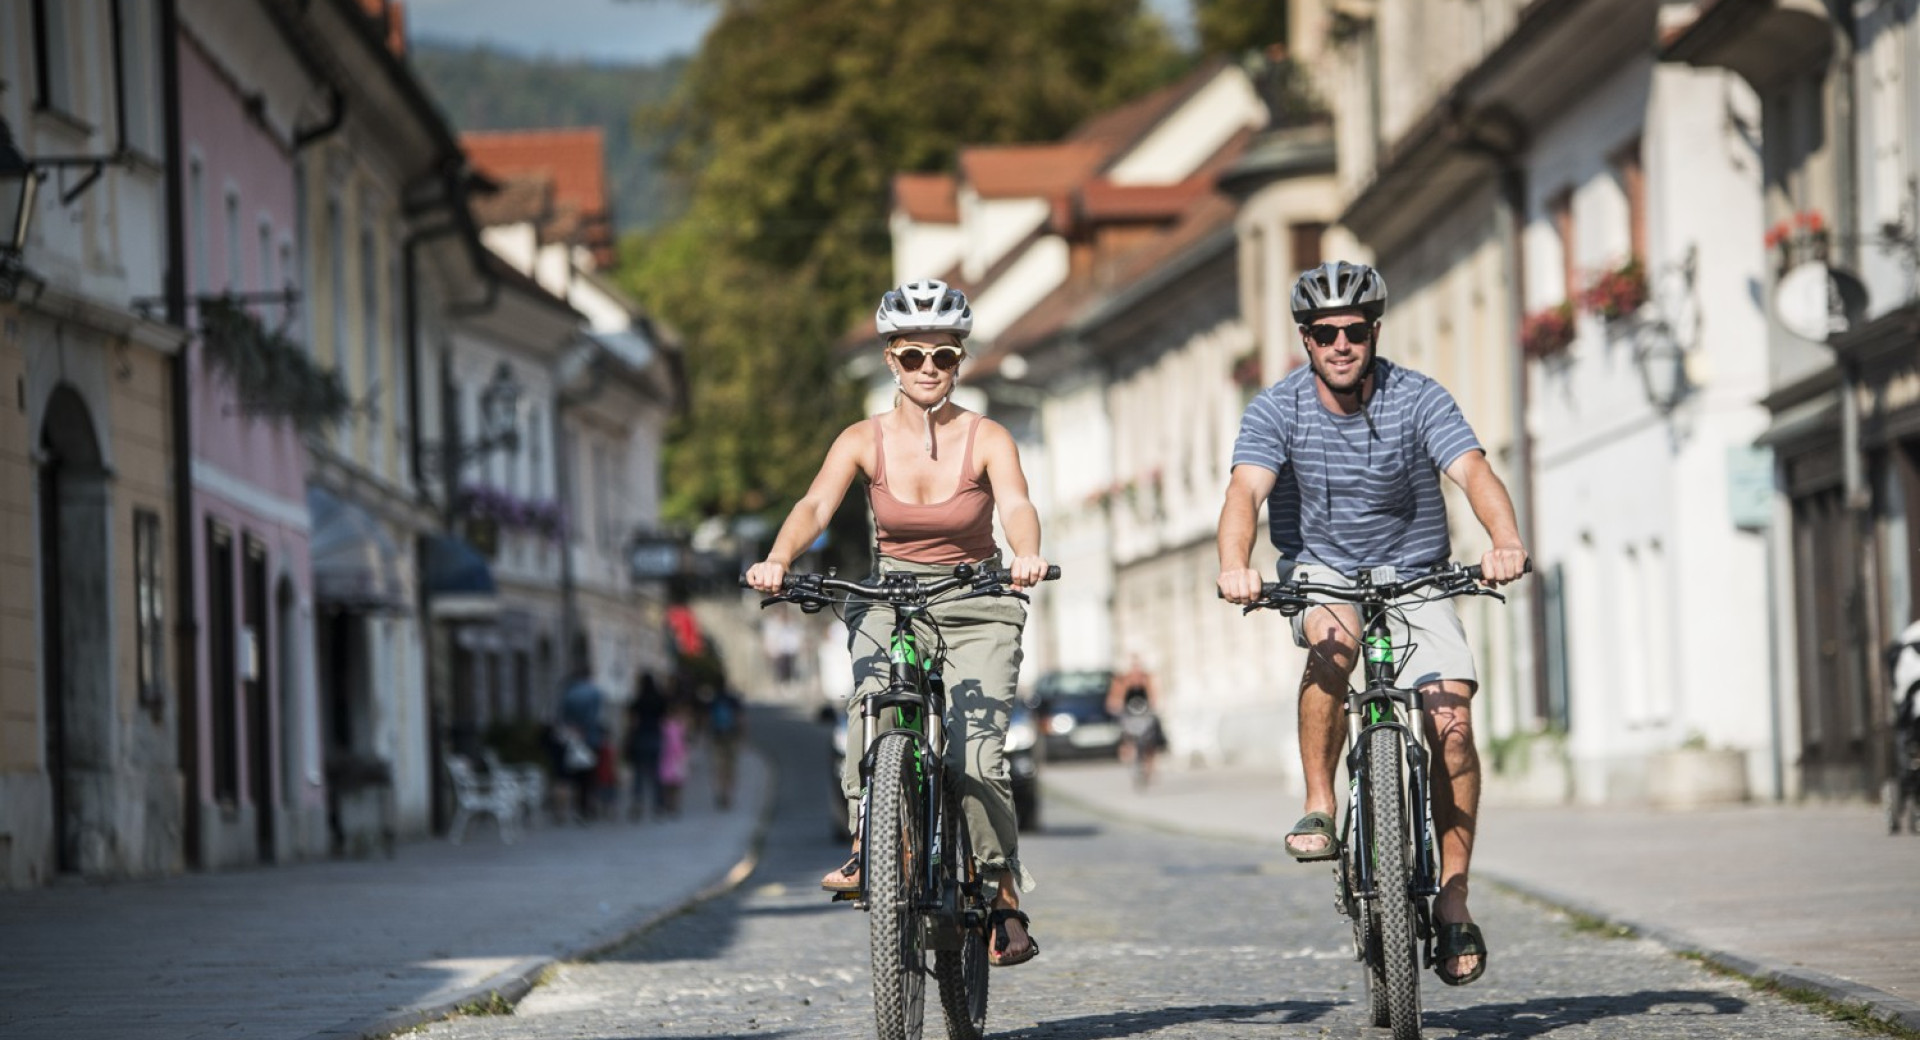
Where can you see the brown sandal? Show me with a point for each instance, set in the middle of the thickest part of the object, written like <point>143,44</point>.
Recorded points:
<point>998,939</point>
<point>845,877</point>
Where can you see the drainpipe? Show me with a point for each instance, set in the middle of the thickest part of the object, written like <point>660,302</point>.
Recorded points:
<point>187,626</point>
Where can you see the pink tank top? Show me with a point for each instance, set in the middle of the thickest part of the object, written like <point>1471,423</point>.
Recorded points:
<point>957,530</point>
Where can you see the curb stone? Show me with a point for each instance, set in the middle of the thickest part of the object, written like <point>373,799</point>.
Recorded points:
<point>512,984</point>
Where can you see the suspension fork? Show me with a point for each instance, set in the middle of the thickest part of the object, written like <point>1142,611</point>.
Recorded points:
<point>1382,672</point>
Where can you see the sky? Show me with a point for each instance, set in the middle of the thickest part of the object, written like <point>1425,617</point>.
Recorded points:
<point>636,31</point>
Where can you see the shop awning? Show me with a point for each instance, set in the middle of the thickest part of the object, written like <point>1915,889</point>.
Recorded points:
<point>459,582</point>
<point>356,566</point>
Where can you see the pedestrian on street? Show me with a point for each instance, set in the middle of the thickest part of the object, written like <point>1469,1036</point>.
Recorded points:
<point>1133,698</point>
<point>1347,452</point>
<point>676,753</point>
<point>645,713</point>
<point>583,732</point>
<point>726,724</point>
<point>936,473</point>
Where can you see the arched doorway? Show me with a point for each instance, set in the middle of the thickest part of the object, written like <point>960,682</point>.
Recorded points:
<point>76,603</point>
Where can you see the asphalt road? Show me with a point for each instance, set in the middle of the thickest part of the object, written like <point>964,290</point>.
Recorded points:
<point>1144,934</point>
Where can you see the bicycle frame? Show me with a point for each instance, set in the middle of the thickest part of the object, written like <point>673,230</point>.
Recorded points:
<point>916,694</point>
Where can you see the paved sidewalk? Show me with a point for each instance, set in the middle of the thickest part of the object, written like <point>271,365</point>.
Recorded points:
<point>352,949</point>
<point>1817,897</point>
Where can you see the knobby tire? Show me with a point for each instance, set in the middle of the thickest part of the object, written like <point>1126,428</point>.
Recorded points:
<point>896,852</point>
<point>1392,876</point>
<point>961,973</point>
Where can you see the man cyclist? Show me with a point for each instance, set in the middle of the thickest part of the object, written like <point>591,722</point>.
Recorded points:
<point>1347,453</point>
<point>935,475</point>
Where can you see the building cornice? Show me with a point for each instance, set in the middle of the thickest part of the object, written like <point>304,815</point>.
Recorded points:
<point>1761,40</point>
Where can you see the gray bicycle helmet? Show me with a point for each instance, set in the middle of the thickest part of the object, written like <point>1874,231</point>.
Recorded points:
<point>1338,286</point>
<point>924,306</point>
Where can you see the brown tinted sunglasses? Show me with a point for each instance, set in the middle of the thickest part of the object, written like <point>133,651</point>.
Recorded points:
<point>946,359</point>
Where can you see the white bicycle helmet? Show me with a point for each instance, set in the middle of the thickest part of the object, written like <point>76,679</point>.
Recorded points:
<point>924,306</point>
<point>1337,286</point>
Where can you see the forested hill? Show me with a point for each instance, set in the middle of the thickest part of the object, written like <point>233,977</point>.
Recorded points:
<point>483,89</point>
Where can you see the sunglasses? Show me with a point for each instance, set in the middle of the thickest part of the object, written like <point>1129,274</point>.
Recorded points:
<point>946,359</point>
<point>1325,335</point>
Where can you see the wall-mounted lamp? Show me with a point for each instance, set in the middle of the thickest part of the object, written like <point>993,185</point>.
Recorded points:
<point>19,182</point>
<point>1662,364</point>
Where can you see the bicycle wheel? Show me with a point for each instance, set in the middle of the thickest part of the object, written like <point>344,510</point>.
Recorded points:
<point>1392,901</point>
<point>962,972</point>
<point>896,851</point>
<point>1366,935</point>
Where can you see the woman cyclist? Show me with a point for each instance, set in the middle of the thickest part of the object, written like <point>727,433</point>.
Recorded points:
<point>936,473</point>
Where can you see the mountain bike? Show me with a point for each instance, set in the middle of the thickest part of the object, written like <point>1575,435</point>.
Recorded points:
<point>1387,873</point>
<point>921,887</point>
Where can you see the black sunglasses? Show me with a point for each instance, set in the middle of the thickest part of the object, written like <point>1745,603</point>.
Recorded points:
<point>1358,335</point>
<point>946,359</point>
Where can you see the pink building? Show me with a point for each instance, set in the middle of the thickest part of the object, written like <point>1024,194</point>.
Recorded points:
<point>250,734</point>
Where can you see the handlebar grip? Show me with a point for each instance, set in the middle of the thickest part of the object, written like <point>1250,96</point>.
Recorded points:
<point>1473,570</point>
<point>1053,572</point>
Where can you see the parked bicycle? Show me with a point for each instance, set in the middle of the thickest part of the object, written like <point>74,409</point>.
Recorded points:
<point>1387,873</point>
<point>920,885</point>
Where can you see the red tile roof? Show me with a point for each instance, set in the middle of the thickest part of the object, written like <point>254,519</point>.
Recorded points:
<point>575,159</point>
<point>1029,170</point>
<point>926,197</point>
<point>1101,199</point>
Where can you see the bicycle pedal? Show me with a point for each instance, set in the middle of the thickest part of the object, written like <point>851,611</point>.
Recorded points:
<point>845,897</point>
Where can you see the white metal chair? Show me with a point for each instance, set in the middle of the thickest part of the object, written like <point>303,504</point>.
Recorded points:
<point>475,795</point>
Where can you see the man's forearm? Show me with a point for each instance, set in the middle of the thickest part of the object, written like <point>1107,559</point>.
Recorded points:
<point>1235,540</point>
<point>1493,507</point>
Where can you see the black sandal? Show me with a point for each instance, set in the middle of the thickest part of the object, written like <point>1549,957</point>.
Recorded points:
<point>998,938</point>
<point>1459,940</point>
<point>844,880</point>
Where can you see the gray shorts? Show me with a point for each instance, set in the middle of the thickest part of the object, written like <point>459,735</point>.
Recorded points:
<point>1428,640</point>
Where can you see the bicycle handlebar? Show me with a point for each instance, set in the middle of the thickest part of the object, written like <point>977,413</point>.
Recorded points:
<point>812,589</point>
<point>1455,580</point>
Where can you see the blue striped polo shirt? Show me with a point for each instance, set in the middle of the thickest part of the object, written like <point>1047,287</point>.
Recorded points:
<point>1350,497</point>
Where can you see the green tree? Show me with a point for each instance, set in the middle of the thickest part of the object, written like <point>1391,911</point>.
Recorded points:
<point>1234,27</point>
<point>790,124</point>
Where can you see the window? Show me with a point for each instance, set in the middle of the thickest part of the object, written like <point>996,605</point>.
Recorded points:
<point>139,76</point>
<point>53,72</point>
<point>149,608</point>
<point>1304,243</point>
<point>266,283</point>
<point>234,283</point>
<point>1560,213</point>
<point>1633,184</point>
<point>402,387</point>
<point>197,221</point>
<point>370,381</point>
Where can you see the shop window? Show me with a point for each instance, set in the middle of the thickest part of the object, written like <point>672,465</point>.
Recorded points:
<point>149,610</point>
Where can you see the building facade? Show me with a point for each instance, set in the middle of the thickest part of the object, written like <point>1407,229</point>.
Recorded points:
<point>90,760</point>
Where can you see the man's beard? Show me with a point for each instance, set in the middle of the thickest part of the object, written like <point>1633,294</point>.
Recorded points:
<point>1362,365</point>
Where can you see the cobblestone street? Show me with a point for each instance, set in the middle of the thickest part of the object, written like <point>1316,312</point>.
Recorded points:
<point>1145,934</point>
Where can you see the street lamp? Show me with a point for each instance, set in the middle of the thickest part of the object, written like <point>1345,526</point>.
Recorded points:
<point>19,182</point>
<point>500,412</point>
<point>1662,364</point>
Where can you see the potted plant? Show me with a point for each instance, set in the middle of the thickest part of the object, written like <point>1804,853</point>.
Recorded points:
<point>1695,774</point>
<point>1547,331</point>
<point>1617,293</point>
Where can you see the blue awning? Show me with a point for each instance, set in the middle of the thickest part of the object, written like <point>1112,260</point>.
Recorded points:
<point>356,566</point>
<point>459,582</point>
